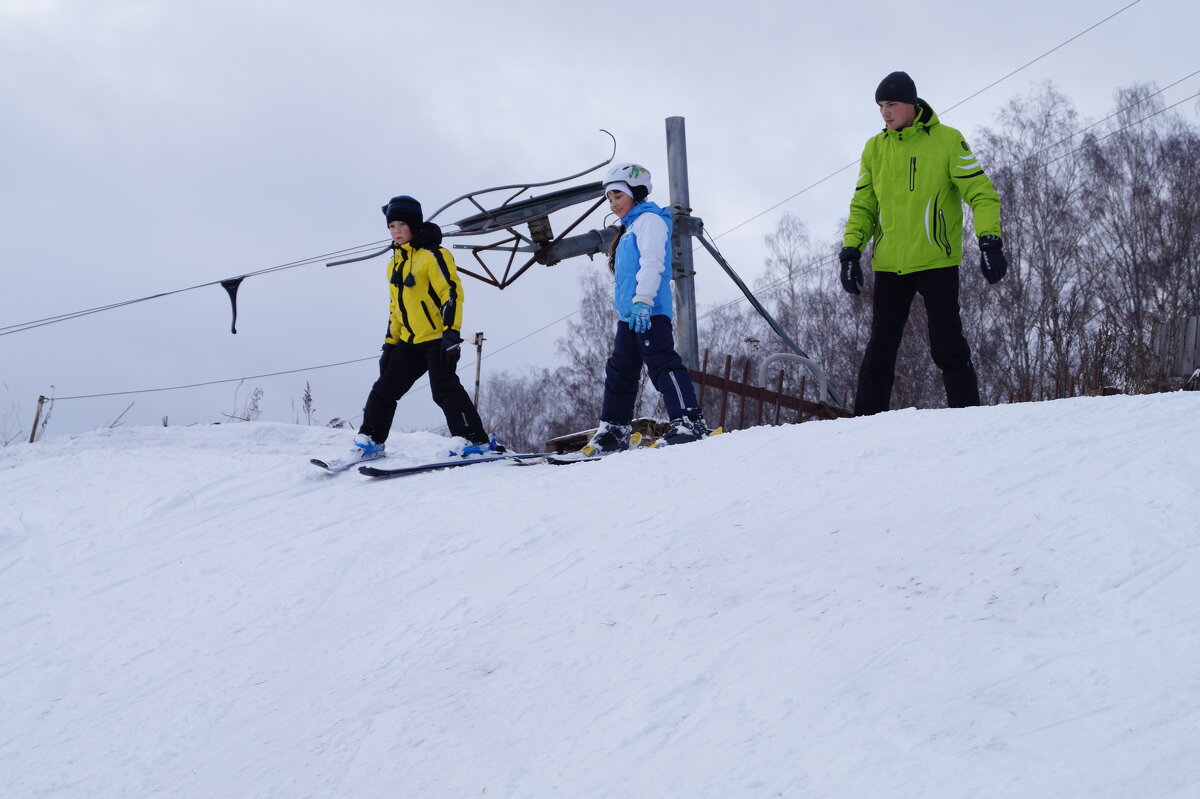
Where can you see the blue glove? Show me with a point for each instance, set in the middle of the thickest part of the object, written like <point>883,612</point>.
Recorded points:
<point>639,317</point>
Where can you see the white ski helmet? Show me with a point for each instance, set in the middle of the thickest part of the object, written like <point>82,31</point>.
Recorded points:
<point>632,179</point>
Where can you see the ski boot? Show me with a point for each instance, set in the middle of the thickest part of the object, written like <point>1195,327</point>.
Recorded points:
<point>366,449</point>
<point>685,430</point>
<point>607,439</point>
<point>489,447</point>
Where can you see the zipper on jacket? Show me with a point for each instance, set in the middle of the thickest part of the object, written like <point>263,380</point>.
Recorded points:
<point>412,334</point>
<point>912,173</point>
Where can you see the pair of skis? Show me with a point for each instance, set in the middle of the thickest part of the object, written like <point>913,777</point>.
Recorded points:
<point>372,467</point>
<point>519,458</point>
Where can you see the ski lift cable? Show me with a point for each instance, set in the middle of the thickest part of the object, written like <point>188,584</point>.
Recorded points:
<point>1043,55</point>
<point>1110,116</point>
<point>213,382</point>
<point>359,248</point>
<point>231,283</point>
<point>1120,130</point>
<point>810,267</point>
<point>813,265</point>
<point>22,326</point>
<point>293,371</point>
<point>956,105</point>
<point>6,330</point>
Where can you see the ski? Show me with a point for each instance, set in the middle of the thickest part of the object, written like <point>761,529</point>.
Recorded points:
<point>577,457</point>
<point>586,456</point>
<point>401,471</point>
<point>335,465</point>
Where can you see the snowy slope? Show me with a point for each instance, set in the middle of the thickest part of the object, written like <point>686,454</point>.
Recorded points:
<point>987,602</point>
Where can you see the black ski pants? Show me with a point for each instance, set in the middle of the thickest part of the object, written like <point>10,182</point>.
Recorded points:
<point>403,365</point>
<point>947,344</point>
<point>656,349</point>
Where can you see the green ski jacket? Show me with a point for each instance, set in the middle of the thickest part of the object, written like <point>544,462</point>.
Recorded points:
<point>910,193</point>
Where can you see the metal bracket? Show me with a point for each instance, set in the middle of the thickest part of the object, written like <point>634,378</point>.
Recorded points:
<point>511,213</point>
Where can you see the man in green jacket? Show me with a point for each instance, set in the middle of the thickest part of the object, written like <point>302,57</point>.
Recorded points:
<point>915,176</point>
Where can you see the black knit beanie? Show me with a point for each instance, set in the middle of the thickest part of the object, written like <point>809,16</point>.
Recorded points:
<point>897,87</point>
<point>404,209</point>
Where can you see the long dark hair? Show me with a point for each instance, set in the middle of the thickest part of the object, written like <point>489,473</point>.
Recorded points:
<point>612,249</point>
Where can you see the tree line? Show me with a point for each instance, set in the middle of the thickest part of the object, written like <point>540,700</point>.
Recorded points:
<point>1102,232</point>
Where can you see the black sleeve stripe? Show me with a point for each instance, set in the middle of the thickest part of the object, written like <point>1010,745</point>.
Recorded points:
<point>972,175</point>
<point>863,186</point>
<point>451,307</point>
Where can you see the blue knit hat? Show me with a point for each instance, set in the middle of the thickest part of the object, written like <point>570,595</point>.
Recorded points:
<point>404,209</point>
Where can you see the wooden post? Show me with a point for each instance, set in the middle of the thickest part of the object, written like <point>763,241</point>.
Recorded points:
<point>37,417</point>
<point>478,340</point>
<point>745,399</point>
<point>778,395</point>
<point>725,389</point>
<point>761,404</point>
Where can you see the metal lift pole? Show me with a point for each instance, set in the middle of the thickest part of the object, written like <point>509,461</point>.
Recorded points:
<point>687,339</point>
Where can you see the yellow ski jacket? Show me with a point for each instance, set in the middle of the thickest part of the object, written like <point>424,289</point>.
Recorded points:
<point>426,295</point>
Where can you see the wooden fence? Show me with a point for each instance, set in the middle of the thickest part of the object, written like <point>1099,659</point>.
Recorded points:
<point>755,405</point>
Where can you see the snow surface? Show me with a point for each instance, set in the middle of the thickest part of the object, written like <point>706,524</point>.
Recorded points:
<point>987,602</point>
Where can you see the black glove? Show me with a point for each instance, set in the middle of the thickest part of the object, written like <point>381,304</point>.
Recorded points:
<point>384,356</point>
<point>851,273</point>
<point>427,237</point>
<point>992,262</point>
<point>451,348</point>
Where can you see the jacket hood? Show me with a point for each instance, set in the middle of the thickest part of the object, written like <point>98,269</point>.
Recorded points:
<point>926,119</point>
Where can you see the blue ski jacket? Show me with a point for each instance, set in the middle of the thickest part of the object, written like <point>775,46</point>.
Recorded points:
<point>641,272</point>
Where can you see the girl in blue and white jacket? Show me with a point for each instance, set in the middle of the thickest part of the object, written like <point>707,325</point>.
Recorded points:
<point>639,259</point>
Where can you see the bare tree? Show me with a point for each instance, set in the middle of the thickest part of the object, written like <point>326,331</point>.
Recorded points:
<point>532,407</point>
<point>1146,218</point>
<point>586,348</point>
<point>520,408</point>
<point>1032,326</point>
<point>1103,240</point>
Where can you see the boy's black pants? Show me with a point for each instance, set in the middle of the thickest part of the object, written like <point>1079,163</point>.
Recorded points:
<point>947,344</point>
<point>403,366</point>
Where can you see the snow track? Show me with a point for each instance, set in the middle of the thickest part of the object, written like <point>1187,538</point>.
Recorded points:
<point>999,602</point>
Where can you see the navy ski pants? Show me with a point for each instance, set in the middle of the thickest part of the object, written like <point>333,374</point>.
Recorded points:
<point>656,349</point>
<point>947,344</point>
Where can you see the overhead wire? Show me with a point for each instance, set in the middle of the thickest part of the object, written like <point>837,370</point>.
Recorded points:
<point>813,265</point>
<point>22,326</point>
<point>6,330</point>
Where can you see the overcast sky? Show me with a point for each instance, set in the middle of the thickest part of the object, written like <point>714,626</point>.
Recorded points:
<point>152,146</point>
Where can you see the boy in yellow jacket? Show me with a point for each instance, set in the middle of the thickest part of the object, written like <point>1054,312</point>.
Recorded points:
<point>915,176</point>
<point>423,333</point>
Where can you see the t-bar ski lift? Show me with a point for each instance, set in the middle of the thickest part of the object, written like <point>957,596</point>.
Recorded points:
<point>542,246</point>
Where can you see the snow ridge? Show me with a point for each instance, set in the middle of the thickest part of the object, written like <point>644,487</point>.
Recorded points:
<point>995,602</point>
